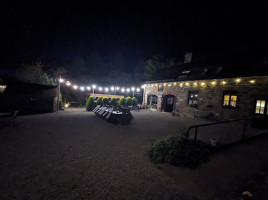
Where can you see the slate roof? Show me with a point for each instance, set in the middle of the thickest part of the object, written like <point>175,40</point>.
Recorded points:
<point>213,69</point>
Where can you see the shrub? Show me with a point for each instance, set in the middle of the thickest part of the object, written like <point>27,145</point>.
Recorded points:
<point>105,100</point>
<point>134,101</point>
<point>122,101</point>
<point>113,101</point>
<point>180,152</point>
<point>90,104</point>
<point>129,101</point>
<point>99,101</point>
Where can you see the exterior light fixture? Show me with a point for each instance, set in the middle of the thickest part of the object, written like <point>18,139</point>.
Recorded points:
<point>82,88</point>
<point>213,83</point>
<point>138,90</point>
<point>143,86</point>
<point>128,90</point>
<point>75,87</point>
<point>94,86</point>
<point>133,88</point>
<point>181,84</point>
<point>238,80</point>
<point>112,88</point>
<point>252,81</point>
<point>203,84</point>
<point>169,84</point>
<point>195,84</point>
<point>61,80</point>
<point>187,84</point>
<point>174,83</point>
<point>100,88</point>
<point>223,82</point>
<point>68,83</point>
<point>122,89</point>
<point>117,88</point>
<point>88,88</point>
<point>106,89</point>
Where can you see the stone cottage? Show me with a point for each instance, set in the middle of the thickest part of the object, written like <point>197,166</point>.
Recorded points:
<point>231,89</point>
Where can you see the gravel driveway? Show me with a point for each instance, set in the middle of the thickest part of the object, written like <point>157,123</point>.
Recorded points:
<point>73,154</point>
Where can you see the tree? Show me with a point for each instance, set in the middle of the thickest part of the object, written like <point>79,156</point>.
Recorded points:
<point>90,103</point>
<point>34,73</point>
<point>122,101</point>
<point>99,101</point>
<point>134,101</point>
<point>129,101</point>
<point>113,101</point>
<point>105,100</point>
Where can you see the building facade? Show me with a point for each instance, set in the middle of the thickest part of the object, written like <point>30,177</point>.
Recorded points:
<point>215,90</point>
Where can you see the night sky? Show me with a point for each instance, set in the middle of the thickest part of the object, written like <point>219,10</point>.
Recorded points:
<point>57,32</point>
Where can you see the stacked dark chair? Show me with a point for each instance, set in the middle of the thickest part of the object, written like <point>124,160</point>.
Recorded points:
<point>116,115</point>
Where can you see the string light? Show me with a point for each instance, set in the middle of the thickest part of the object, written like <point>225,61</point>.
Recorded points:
<point>195,84</point>
<point>174,83</point>
<point>187,84</point>
<point>181,84</point>
<point>68,83</point>
<point>213,83</point>
<point>238,80</point>
<point>202,84</point>
<point>82,88</point>
<point>223,82</point>
<point>169,84</point>
<point>252,81</point>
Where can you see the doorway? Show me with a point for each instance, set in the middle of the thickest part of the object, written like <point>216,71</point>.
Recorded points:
<point>168,103</point>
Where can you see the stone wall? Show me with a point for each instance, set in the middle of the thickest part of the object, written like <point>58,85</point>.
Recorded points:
<point>210,95</point>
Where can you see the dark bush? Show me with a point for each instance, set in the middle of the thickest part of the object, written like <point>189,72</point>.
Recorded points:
<point>99,101</point>
<point>129,101</point>
<point>122,101</point>
<point>113,101</point>
<point>180,152</point>
<point>90,105</point>
<point>105,100</point>
<point>134,101</point>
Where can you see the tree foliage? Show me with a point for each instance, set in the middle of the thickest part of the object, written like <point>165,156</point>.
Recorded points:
<point>134,101</point>
<point>105,100</point>
<point>90,103</point>
<point>122,101</point>
<point>129,101</point>
<point>34,73</point>
<point>113,101</point>
<point>99,101</point>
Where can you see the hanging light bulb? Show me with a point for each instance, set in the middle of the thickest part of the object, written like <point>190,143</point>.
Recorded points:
<point>112,88</point>
<point>122,89</point>
<point>100,88</point>
<point>133,88</point>
<point>138,89</point>
<point>128,90</point>
<point>88,88</point>
<point>106,89</point>
<point>82,88</point>
<point>68,83</point>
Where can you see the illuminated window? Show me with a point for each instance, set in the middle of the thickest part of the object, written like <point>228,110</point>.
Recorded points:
<point>229,99</point>
<point>160,88</point>
<point>260,107</point>
<point>192,98</point>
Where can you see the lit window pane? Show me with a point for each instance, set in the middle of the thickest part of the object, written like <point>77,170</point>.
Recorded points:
<point>226,97</point>
<point>258,103</point>
<point>233,103</point>
<point>226,103</point>
<point>233,98</point>
<point>257,110</point>
<point>261,110</point>
<point>262,103</point>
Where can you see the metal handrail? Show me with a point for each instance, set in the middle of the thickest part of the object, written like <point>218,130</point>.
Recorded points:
<point>224,122</point>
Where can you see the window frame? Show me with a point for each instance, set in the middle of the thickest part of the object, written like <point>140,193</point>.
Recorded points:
<point>265,106</point>
<point>192,92</point>
<point>230,93</point>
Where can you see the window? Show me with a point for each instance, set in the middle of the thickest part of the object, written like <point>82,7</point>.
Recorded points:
<point>151,99</point>
<point>192,99</point>
<point>160,88</point>
<point>260,107</point>
<point>229,99</point>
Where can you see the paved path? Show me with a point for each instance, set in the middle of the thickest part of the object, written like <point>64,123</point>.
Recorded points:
<point>73,154</point>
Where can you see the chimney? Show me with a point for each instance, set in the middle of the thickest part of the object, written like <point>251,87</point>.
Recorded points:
<point>188,57</point>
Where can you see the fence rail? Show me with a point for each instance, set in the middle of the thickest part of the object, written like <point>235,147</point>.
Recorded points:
<point>223,122</point>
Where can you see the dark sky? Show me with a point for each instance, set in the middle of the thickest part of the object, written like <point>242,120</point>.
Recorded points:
<point>58,31</point>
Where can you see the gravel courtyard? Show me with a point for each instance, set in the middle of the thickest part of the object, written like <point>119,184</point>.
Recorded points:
<point>73,154</point>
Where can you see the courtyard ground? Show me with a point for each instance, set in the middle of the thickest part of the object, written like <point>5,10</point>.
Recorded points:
<point>73,154</point>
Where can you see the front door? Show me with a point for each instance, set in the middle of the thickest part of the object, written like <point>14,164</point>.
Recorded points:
<point>169,102</point>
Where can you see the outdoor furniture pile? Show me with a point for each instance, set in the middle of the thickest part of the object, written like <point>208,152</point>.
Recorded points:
<point>114,114</point>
